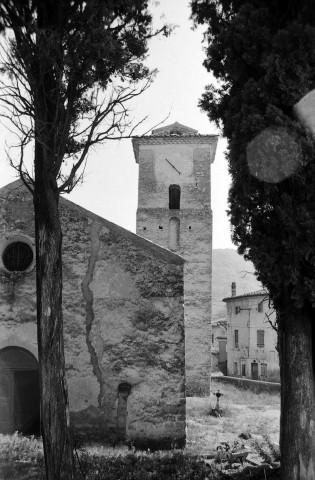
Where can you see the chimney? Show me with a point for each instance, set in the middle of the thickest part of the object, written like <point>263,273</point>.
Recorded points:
<point>233,288</point>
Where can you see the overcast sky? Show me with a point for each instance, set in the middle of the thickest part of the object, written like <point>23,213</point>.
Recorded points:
<point>111,179</point>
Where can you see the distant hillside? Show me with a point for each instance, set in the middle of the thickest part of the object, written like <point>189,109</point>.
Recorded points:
<point>227,267</point>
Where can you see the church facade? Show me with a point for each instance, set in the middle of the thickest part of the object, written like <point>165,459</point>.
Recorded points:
<point>123,326</point>
<point>137,307</point>
<point>174,211</point>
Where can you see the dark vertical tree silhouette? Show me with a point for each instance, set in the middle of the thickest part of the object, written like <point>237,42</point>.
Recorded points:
<point>262,55</point>
<point>69,68</point>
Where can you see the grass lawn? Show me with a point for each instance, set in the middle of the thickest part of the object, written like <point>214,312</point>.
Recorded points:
<point>21,458</point>
<point>244,412</point>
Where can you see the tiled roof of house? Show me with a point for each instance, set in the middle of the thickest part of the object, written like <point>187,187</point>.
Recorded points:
<point>219,321</point>
<point>261,292</point>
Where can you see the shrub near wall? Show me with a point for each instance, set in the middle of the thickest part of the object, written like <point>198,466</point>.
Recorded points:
<point>146,466</point>
<point>21,458</point>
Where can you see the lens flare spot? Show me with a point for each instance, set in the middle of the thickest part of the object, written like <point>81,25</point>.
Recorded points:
<point>273,155</point>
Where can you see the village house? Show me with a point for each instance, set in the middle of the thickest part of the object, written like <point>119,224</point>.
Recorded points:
<point>218,345</point>
<point>251,337</point>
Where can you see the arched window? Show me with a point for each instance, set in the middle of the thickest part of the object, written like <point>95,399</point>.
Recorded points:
<point>174,197</point>
<point>173,234</point>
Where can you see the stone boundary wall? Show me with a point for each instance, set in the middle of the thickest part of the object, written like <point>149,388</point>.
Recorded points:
<point>256,386</point>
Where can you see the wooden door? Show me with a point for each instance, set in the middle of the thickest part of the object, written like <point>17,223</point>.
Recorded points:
<point>255,371</point>
<point>6,402</point>
<point>19,391</point>
<point>26,402</point>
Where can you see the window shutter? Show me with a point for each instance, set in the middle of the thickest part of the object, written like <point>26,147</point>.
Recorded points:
<point>260,338</point>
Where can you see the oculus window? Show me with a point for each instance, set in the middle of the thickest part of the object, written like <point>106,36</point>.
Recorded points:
<point>17,256</point>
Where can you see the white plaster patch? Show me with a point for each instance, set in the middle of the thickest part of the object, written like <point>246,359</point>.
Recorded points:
<point>303,419</point>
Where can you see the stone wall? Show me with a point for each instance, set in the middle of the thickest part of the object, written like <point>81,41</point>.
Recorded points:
<point>256,386</point>
<point>123,322</point>
<point>190,158</point>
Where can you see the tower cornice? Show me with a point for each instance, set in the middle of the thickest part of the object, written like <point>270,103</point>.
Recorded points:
<point>172,140</point>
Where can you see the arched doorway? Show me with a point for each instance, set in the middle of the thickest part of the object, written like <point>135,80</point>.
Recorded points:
<point>19,392</point>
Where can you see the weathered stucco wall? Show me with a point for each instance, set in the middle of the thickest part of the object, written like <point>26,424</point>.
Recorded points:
<point>184,161</point>
<point>124,325</point>
<point>17,290</point>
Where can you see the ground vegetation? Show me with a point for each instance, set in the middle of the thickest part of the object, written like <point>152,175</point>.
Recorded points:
<point>244,412</point>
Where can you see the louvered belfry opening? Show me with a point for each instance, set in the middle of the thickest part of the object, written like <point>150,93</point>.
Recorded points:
<point>174,197</point>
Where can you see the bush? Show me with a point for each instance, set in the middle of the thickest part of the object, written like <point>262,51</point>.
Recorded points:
<point>21,458</point>
<point>144,466</point>
<point>195,389</point>
<point>17,448</point>
<point>267,450</point>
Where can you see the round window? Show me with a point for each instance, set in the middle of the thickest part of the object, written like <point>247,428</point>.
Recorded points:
<point>17,256</point>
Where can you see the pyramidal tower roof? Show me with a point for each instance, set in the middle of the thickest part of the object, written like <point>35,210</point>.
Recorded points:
<point>174,129</point>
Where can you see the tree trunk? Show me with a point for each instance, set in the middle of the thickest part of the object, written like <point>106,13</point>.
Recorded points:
<point>54,398</point>
<point>297,423</point>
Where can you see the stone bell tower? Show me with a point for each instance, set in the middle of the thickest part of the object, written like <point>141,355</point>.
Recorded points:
<point>174,211</point>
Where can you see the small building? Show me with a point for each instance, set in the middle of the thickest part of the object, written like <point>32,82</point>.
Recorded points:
<point>218,346</point>
<point>251,337</point>
<point>123,328</point>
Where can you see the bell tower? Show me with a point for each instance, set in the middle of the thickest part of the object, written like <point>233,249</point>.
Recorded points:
<point>174,211</point>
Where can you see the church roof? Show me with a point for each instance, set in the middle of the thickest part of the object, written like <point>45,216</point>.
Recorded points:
<point>147,245</point>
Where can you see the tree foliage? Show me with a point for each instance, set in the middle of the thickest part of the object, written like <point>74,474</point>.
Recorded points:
<point>70,67</point>
<point>262,54</point>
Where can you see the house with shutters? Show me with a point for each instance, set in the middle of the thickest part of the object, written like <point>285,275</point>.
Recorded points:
<point>251,336</point>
